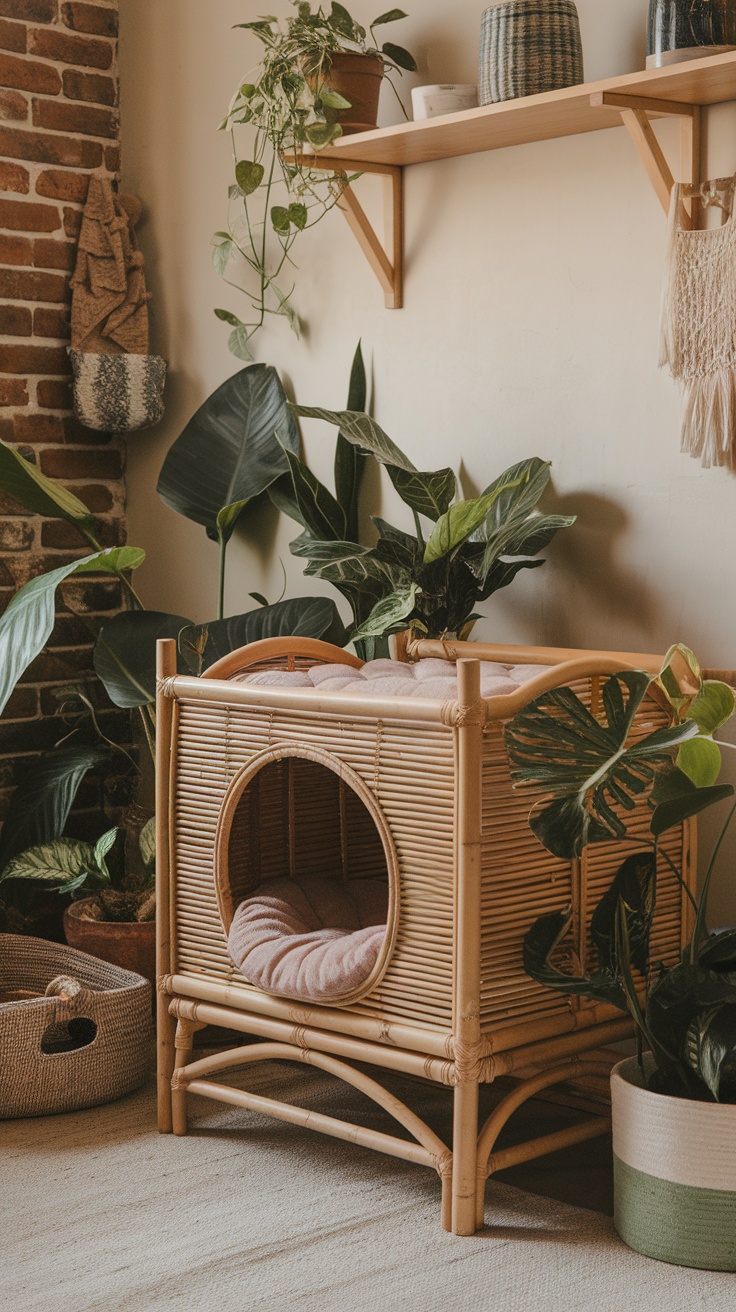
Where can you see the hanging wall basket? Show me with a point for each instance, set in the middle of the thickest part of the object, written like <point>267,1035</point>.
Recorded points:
<point>118,393</point>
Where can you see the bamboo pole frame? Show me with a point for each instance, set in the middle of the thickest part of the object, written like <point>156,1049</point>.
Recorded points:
<point>466,993</point>
<point>165,1026</point>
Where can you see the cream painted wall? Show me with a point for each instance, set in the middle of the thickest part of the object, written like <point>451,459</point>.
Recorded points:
<point>530,327</point>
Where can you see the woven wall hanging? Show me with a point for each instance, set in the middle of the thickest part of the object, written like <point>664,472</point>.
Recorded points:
<point>118,386</point>
<point>698,329</point>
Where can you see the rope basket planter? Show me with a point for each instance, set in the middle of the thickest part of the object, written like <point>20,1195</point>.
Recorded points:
<point>74,1031</point>
<point>528,47</point>
<point>674,1174</point>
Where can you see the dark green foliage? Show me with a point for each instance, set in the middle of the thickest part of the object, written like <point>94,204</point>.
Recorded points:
<point>595,775</point>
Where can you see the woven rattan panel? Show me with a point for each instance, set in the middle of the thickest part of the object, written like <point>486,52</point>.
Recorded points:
<point>410,769</point>
<point>521,881</point>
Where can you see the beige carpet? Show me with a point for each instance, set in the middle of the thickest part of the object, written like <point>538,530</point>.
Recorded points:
<point>100,1214</point>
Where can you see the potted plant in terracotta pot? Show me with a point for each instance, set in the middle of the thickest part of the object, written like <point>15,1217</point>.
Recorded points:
<point>320,77</point>
<point>113,910</point>
<point>674,1105</point>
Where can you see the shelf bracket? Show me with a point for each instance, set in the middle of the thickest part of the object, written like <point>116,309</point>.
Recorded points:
<point>637,113</point>
<point>386,260</point>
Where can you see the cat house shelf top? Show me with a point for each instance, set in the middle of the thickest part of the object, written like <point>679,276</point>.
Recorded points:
<point>634,100</point>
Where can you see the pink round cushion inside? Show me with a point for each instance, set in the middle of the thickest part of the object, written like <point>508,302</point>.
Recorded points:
<point>310,939</point>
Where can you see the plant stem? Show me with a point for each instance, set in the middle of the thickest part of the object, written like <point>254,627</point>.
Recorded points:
<point>221,581</point>
<point>699,931</point>
<point>148,731</point>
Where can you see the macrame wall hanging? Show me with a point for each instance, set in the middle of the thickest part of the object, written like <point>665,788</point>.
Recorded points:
<point>698,331</point>
<point>118,386</point>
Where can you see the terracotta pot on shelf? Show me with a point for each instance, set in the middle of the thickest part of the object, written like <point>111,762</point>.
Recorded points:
<point>127,943</point>
<point>358,78</point>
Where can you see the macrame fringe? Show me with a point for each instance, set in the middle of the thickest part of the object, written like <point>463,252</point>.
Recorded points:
<point>709,419</point>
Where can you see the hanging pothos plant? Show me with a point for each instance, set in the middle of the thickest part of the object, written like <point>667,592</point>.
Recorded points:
<point>292,112</point>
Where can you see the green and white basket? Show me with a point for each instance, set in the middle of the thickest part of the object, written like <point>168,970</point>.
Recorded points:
<point>674,1174</point>
<point>527,47</point>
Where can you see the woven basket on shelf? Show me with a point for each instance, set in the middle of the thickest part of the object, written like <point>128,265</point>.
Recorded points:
<point>74,1031</point>
<point>527,47</point>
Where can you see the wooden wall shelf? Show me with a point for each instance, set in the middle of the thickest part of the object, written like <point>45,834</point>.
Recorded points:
<point>679,90</point>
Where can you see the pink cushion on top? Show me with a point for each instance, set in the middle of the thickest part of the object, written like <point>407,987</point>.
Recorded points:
<point>311,939</point>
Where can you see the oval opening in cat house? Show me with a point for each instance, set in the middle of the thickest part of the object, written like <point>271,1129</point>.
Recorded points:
<point>307,877</point>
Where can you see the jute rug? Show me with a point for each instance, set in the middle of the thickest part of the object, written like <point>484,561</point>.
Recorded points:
<point>100,1214</point>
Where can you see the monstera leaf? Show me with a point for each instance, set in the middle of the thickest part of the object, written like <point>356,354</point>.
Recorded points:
<point>228,453</point>
<point>125,654</point>
<point>587,765</point>
<point>26,625</point>
<point>307,617</point>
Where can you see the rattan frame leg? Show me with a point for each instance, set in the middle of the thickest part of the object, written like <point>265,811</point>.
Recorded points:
<point>464,1157</point>
<point>183,1043</point>
<point>425,1148</point>
<point>488,1161</point>
<point>165,1023</point>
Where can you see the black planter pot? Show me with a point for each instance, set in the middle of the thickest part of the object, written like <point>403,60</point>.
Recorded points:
<point>689,29</point>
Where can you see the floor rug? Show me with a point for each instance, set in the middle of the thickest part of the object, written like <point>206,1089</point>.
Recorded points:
<point>101,1214</point>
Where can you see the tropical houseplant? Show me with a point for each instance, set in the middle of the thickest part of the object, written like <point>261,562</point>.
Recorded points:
<point>675,1107</point>
<point>319,77</point>
<point>222,462</point>
<point>431,579</point>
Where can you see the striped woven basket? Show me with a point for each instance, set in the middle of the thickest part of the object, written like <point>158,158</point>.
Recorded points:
<point>74,1031</point>
<point>118,393</point>
<point>527,47</point>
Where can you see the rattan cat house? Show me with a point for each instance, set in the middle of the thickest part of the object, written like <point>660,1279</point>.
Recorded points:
<point>258,782</point>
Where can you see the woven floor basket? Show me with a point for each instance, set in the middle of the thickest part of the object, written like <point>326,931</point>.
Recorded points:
<point>527,47</point>
<point>101,1007</point>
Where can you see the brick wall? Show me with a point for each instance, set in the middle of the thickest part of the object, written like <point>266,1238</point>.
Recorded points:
<point>58,124</point>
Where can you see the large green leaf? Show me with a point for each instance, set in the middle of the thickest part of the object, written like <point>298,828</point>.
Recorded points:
<point>349,459</point>
<point>682,1002</point>
<point>306,617</point>
<point>318,509</point>
<point>718,952</point>
<point>513,526</point>
<point>389,614</point>
<point>455,526</point>
<point>228,453</point>
<point>354,570</point>
<point>41,803</point>
<point>710,1046</point>
<point>428,494</point>
<point>632,892</point>
<point>676,798</point>
<point>125,654</point>
<point>64,863</point>
<point>540,945</point>
<point>25,483</point>
<point>587,764</point>
<point>700,760</point>
<point>713,706</point>
<point>26,625</point>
